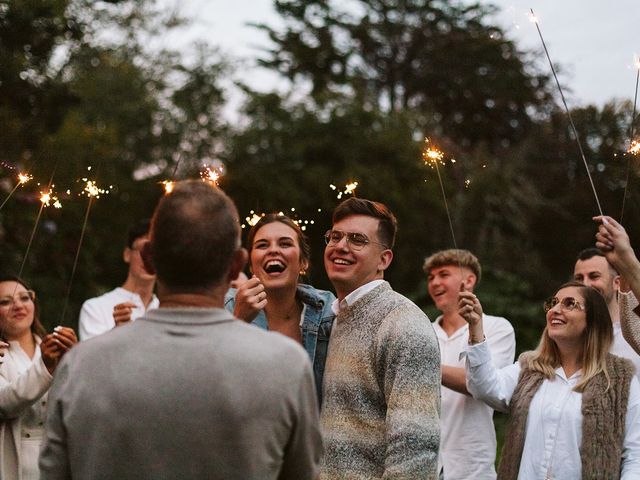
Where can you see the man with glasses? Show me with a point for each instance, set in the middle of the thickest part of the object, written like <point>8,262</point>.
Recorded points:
<point>381,392</point>
<point>128,302</point>
<point>468,446</point>
<point>593,269</point>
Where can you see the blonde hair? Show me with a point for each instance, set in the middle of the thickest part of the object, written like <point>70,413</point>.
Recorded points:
<point>459,258</point>
<point>597,342</point>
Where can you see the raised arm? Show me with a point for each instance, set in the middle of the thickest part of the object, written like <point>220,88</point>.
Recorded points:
<point>484,381</point>
<point>613,240</point>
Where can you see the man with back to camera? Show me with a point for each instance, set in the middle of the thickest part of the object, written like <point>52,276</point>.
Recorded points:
<point>593,269</point>
<point>128,302</point>
<point>187,390</point>
<point>381,392</point>
<point>468,446</point>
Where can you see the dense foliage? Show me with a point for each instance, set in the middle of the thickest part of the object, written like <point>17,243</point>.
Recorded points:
<point>82,86</point>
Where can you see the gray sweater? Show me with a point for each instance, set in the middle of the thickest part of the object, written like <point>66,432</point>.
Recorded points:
<point>381,410</point>
<point>183,394</point>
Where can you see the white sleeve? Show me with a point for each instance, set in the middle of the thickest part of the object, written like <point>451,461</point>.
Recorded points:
<point>631,443</point>
<point>487,383</point>
<point>19,393</point>
<point>94,320</point>
<point>502,342</point>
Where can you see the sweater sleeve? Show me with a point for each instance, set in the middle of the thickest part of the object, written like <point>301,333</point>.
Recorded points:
<point>408,349</point>
<point>630,320</point>
<point>54,455</point>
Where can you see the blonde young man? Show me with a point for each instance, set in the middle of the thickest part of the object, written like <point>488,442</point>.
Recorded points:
<point>468,446</point>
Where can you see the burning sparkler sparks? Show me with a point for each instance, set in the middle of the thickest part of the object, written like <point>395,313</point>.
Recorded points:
<point>349,189</point>
<point>634,149</point>
<point>168,186</point>
<point>211,175</point>
<point>92,190</point>
<point>254,218</point>
<point>48,198</point>
<point>24,178</point>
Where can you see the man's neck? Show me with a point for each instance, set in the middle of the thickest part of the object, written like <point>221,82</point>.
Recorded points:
<point>144,288</point>
<point>205,298</point>
<point>614,310</point>
<point>451,322</point>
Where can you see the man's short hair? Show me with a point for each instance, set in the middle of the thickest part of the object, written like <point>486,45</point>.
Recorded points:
<point>455,257</point>
<point>388,225</point>
<point>194,234</point>
<point>591,252</point>
<point>138,230</point>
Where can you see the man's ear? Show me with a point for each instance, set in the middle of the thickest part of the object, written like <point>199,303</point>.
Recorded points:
<point>616,282</point>
<point>147,261</point>
<point>470,282</point>
<point>386,256</point>
<point>238,261</point>
<point>126,255</point>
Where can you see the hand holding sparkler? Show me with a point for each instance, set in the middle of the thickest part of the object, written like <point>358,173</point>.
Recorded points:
<point>122,313</point>
<point>55,345</point>
<point>613,241</point>
<point>250,299</point>
<point>470,309</point>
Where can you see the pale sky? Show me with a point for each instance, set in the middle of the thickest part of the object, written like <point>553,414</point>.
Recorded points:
<point>594,41</point>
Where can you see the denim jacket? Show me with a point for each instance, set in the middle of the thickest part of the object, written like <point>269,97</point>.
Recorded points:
<point>315,328</point>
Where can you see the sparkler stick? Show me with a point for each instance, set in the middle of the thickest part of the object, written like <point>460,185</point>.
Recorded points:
<point>75,261</point>
<point>573,127</point>
<point>633,144</point>
<point>92,191</point>
<point>22,179</point>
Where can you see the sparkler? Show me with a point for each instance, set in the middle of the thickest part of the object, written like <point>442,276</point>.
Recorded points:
<point>168,186</point>
<point>92,192</point>
<point>349,189</point>
<point>23,178</point>
<point>635,146</point>
<point>432,156</point>
<point>254,218</point>
<point>49,198</point>
<point>534,20</point>
<point>211,175</point>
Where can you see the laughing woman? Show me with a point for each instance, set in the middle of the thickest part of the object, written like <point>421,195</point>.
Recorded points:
<point>574,409</point>
<point>273,299</point>
<point>30,359</point>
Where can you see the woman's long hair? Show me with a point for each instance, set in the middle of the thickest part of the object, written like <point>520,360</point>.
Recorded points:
<point>597,341</point>
<point>36,326</point>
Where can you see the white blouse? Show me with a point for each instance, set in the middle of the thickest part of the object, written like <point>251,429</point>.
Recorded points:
<point>554,422</point>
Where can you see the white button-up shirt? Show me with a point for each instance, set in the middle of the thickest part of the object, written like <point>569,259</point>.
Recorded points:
<point>554,422</point>
<point>96,315</point>
<point>468,438</point>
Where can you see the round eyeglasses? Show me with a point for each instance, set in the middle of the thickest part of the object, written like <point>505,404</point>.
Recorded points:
<point>567,303</point>
<point>357,241</point>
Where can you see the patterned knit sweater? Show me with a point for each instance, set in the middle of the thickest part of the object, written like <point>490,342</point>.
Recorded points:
<point>381,411</point>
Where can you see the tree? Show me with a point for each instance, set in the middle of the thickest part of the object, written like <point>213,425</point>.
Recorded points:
<point>467,81</point>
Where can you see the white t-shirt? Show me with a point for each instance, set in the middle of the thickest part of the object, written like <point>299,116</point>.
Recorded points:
<point>96,315</point>
<point>468,437</point>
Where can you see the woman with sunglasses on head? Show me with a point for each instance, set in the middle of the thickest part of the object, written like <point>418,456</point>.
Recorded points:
<point>273,298</point>
<point>574,409</point>
<point>30,358</point>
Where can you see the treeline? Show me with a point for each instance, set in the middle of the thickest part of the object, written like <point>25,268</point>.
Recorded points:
<point>81,85</point>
